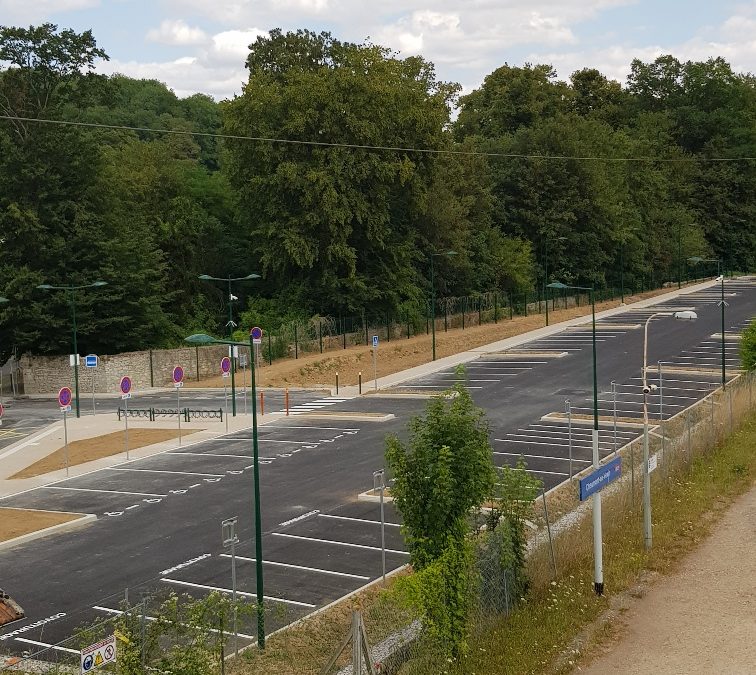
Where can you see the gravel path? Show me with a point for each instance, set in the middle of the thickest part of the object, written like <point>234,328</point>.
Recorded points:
<point>700,619</point>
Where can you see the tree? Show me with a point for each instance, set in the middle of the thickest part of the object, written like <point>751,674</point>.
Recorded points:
<point>336,226</point>
<point>443,472</point>
<point>748,347</point>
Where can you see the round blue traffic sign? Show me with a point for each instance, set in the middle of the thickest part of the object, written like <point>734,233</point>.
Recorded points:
<point>256,333</point>
<point>225,364</point>
<point>178,374</point>
<point>125,384</point>
<point>87,663</point>
<point>65,395</point>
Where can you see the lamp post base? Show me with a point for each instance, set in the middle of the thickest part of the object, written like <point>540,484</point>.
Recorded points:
<point>598,588</point>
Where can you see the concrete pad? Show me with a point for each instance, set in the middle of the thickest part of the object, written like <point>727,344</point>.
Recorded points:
<point>79,520</point>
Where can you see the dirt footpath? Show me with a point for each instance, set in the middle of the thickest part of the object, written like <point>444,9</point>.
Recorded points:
<point>700,619</point>
<point>402,353</point>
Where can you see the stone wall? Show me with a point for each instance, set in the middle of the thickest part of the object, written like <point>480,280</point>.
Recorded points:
<point>47,374</point>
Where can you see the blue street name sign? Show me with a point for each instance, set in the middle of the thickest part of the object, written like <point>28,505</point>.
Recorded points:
<point>600,478</point>
<point>90,361</point>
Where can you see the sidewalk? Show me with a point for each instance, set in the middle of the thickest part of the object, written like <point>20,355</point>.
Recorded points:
<point>517,340</point>
<point>701,618</point>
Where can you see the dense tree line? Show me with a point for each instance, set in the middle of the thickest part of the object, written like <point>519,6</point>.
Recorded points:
<point>585,176</point>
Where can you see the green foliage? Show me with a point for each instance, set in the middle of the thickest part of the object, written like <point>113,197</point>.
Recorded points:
<point>443,593</point>
<point>443,472</point>
<point>748,347</point>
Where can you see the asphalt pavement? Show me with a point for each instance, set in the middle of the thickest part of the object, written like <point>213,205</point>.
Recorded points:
<point>158,526</point>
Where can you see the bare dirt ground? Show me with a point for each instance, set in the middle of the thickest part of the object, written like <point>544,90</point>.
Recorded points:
<point>17,522</point>
<point>700,619</point>
<point>402,353</point>
<point>98,447</point>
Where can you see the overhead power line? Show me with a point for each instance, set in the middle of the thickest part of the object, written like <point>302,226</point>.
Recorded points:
<point>381,148</point>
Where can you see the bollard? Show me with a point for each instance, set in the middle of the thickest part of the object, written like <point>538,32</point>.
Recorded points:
<point>360,382</point>
<point>286,401</point>
<point>337,383</point>
<point>262,403</point>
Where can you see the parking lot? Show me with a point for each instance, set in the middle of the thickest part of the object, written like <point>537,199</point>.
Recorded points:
<point>158,527</point>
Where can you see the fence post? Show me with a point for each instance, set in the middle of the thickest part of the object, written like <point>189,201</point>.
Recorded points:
<point>196,356</point>
<point>496,307</point>
<point>408,325</point>
<point>337,383</point>
<point>296,346</point>
<point>152,374</point>
<point>388,328</point>
<point>480,310</point>
<point>143,636</point>
<point>526,303</point>
<point>548,529</point>
<point>270,350</point>
<point>446,323</point>
<point>364,326</point>
<point>464,308</point>
<point>320,334</point>
<point>359,381</point>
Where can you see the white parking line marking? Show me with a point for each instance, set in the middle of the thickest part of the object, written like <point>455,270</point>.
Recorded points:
<point>556,440</point>
<point>208,454</point>
<point>549,473</point>
<point>561,459</point>
<point>274,440</point>
<point>338,543</point>
<point>118,612</point>
<point>357,520</point>
<point>115,492</point>
<point>564,443</point>
<point>286,426</point>
<point>48,645</point>
<point>298,518</point>
<point>228,591</point>
<point>300,567</point>
<point>178,473</point>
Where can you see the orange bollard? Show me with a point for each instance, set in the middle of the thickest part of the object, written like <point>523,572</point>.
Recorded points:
<point>262,402</point>
<point>286,399</point>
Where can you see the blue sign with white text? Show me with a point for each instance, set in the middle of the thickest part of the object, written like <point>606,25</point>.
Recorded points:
<point>600,478</point>
<point>90,361</point>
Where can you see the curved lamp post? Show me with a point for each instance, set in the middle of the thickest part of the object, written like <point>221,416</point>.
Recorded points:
<point>598,556</point>
<point>231,325</point>
<point>71,292</point>
<point>202,339</point>
<point>647,389</point>
<point>722,304</point>
<point>433,299</point>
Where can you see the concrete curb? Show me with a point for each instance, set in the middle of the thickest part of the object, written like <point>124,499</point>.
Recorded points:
<point>84,519</point>
<point>523,338</point>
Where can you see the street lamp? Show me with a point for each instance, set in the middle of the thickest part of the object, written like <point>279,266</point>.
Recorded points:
<point>722,304</point>
<point>433,299</point>
<point>647,389</point>
<point>231,325</point>
<point>546,272</point>
<point>598,556</point>
<point>201,339</point>
<point>71,291</point>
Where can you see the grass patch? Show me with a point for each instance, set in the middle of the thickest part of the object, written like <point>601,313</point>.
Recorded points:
<point>18,522</point>
<point>685,508</point>
<point>107,445</point>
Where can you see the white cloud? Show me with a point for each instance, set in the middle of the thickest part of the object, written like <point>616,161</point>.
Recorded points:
<point>177,33</point>
<point>23,11</point>
<point>232,46</point>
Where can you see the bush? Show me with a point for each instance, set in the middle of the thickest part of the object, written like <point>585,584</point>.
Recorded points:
<point>748,347</point>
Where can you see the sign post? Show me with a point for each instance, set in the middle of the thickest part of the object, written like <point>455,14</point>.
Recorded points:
<point>257,335</point>
<point>90,361</point>
<point>230,539</point>
<point>600,478</point>
<point>99,654</point>
<point>2,410</point>
<point>243,364</point>
<point>225,373</point>
<point>375,363</point>
<point>125,387</point>
<point>178,382</point>
<point>65,395</point>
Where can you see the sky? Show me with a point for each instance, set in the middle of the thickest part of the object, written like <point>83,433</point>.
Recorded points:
<point>200,45</point>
